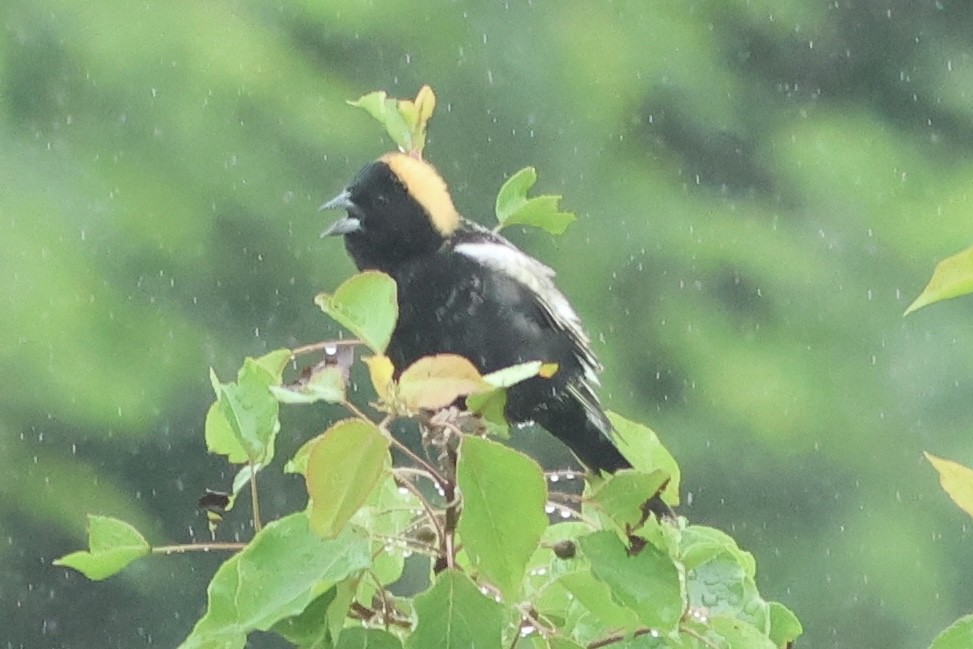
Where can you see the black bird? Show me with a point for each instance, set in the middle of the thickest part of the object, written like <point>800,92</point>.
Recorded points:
<point>463,289</point>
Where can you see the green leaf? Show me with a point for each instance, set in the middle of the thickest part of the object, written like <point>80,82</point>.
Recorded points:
<point>958,635</point>
<point>503,517</point>
<point>220,439</point>
<point>514,208</point>
<point>956,480</point>
<point>952,277</point>
<point>273,363</point>
<point>722,587</point>
<point>310,627</point>
<point>785,628</point>
<point>257,588</point>
<point>595,596</point>
<point>647,582</point>
<point>736,634</point>
<point>623,495</point>
<point>513,194</point>
<point>365,304</point>
<point>361,638</point>
<point>112,545</point>
<point>298,463</point>
<point>249,410</point>
<point>491,407</point>
<point>344,466</point>
<point>326,384</point>
<point>454,614</point>
<point>389,513</point>
<point>641,446</point>
<point>405,120</point>
<point>699,544</point>
<point>386,112</point>
<point>514,374</point>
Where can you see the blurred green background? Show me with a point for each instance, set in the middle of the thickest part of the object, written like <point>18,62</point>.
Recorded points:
<point>762,187</point>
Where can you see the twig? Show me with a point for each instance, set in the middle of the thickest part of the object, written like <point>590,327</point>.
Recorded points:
<point>415,545</point>
<point>690,631</point>
<point>430,512</point>
<point>197,547</point>
<point>316,347</point>
<point>617,637</point>
<point>382,426</point>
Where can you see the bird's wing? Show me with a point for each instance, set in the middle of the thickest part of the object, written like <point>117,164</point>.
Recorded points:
<point>495,252</point>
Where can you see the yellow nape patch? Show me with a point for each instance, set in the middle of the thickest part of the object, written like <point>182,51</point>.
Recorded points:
<point>427,187</point>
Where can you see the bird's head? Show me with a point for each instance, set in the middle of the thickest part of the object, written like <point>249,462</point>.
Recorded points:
<point>398,207</point>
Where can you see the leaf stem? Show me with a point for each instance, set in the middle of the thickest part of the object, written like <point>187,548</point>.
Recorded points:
<point>255,501</point>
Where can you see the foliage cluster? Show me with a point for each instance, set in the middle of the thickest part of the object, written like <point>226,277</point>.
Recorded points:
<point>512,562</point>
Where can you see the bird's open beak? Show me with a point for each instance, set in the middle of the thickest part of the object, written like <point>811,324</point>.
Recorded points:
<point>342,226</point>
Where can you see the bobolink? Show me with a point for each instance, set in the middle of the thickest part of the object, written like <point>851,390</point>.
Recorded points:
<point>465,290</point>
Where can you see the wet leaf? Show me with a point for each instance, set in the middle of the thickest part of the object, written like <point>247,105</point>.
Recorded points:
<point>956,480</point>
<point>112,545</point>
<point>243,425</point>
<point>951,278</point>
<point>343,468</point>
<point>503,517</point>
<point>722,586</point>
<point>365,304</point>
<point>647,582</point>
<point>454,614</point>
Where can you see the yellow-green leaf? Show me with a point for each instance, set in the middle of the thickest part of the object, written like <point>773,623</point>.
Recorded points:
<point>641,446</point>
<point>365,305</point>
<point>434,382</point>
<point>956,480</point>
<point>503,510</point>
<point>380,370</point>
<point>343,468</point>
<point>952,277</point>
<point>112,545</point>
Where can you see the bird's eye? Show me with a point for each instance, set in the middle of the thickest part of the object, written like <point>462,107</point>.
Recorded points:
<point>382,199</point>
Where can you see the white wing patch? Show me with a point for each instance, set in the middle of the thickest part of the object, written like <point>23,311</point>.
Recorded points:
<point>502,256</point>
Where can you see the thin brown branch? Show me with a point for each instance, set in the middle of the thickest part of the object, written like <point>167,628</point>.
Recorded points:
<point>430,512</point>
<point>198,547</point>
<point>316,347</point>
<point>690,631</point>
